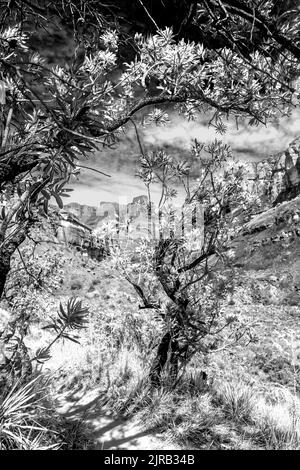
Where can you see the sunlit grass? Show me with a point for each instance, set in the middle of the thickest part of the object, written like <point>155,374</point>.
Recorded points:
<point>20,424</point>
<point>240,405</point>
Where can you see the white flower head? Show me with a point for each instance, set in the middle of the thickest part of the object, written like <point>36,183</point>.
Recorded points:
<point>14,34</point>
<point>158,117</point>
<point>101,61</point>
<point>110,39</point>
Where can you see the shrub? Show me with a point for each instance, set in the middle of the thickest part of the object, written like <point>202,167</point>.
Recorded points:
<point>20,418</point>
<point>237,400</point>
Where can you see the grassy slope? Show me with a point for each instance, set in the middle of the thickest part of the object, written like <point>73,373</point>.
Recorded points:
<point>251,397</point>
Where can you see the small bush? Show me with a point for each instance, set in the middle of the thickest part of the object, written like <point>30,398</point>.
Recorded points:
<point>20,426</point>
<point>237,401</point>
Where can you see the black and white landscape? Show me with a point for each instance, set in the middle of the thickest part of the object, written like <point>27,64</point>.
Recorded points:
<point>149,225</point>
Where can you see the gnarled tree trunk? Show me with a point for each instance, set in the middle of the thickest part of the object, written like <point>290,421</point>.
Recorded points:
<point>8,247</point>
<point>167,351</point>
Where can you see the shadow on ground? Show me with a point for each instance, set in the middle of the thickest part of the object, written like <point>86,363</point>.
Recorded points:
<point>105,430</point>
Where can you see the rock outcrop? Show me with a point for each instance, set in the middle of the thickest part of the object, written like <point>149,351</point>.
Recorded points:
<point>277,179</point>
<point>97,217</point>
<point>72,231</point>
<point>79,222</point>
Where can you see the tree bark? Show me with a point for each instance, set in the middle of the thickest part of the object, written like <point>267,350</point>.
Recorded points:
<point>160,360</point>
<point>168,347</point>
<point>4,270</point>
<point>7,250</point>
<point>15,166</point>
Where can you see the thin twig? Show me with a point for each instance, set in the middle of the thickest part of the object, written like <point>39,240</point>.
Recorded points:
<point>30,274</point>
<point>148,14</point>
<point>94,169</point>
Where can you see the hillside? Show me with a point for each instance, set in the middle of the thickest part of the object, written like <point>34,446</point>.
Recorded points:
<point>150,226</point>
<point>248,398</point>
<point>240,407</point>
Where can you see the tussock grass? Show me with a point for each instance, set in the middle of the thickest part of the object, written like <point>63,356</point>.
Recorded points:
<point>237,400</point>
<point>229,416</point>
<point>29,420</point>
<point>233,411</point>
<point>278,420</point>
<point>21,426</point>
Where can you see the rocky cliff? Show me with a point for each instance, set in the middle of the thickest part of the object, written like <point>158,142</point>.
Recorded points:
<point>267,255</point>
<point>277,178</point>
<point>77,222</point>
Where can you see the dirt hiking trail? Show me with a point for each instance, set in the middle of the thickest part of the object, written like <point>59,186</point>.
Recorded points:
<point>106,431</point>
